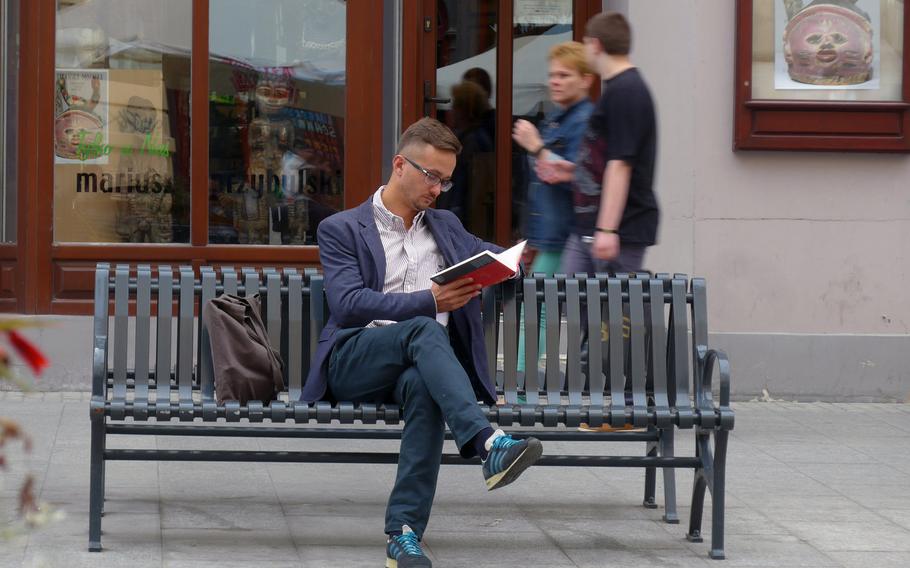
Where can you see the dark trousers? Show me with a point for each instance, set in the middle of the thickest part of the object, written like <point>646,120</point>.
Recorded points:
<point>411,363</point>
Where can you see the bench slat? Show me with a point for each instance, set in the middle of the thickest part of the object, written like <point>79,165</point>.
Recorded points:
<point>554,319</point>
<point>596,379</point>
<point>317,311</point>
<point>658,360</point>
<point>510,341</point>
<point>678,372</point>
<point>574,378</point>
<point>229,280</point>
<point>615,350</point>
<point>272,308</point>
<point>164,322</point>
<point>703,399</point>
<point>296,345</point>
<point>489,316</point>
<point>250,280</point>
<point>121,328</point>
<point>637,353</point>
<point>143,331</point>
<point>101,329</point>
<point>204,354</point>
<point>532,382</point>
<point>185,307</point>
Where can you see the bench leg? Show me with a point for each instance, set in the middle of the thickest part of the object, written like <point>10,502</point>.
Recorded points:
<point>667,450</point>
<point>650,478</point>
<point>717,494</point>
<point>700,484</point>
<point>96,486</point>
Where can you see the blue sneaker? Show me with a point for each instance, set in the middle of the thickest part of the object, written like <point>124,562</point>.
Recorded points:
<point>508,458</point>
<point>403,551</point>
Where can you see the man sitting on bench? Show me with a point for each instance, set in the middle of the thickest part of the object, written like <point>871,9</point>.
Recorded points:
<point>393,335</point>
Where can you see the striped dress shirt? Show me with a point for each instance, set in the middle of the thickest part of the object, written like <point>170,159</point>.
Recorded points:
<point>411,256</point>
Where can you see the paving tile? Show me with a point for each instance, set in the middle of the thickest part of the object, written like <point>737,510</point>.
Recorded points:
<point>239,545</point>
<point>867,559</point>
<point>831,536</point>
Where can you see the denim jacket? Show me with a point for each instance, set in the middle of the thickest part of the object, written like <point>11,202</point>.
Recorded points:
<point>550,213</point>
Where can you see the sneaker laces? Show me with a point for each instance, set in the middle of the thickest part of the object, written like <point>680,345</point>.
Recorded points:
<point>409,543</point>
<point>503,442</point>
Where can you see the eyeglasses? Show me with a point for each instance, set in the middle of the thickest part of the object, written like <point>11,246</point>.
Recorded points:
<point>431,179</point>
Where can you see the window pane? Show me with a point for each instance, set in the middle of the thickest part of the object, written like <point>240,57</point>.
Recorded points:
<point>9,26</point>
<point>122,124</point>
<point>537,26</point>
<point>276,130</point>
<point>466,72</point>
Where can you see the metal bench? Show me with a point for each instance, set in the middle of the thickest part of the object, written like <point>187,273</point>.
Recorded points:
<point>652,369</point>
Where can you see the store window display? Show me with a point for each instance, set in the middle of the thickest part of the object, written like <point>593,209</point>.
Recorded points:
<point>121,122</point>
<point>277,82</point>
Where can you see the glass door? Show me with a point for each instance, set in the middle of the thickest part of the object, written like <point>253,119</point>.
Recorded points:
<point>477,66</point>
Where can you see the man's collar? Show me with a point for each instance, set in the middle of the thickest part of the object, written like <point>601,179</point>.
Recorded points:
<point>387,217</point>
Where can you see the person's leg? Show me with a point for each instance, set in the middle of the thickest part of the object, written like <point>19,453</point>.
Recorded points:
<point>576,257</point>
<point>367,366</point>
<point>418,462</point>
<point>546,262</point>
<point>630,259</point>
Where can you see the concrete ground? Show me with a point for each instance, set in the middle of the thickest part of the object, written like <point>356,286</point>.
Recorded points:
<point>809,484</point>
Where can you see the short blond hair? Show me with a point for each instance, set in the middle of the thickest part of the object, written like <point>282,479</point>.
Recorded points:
<point>572,55</point>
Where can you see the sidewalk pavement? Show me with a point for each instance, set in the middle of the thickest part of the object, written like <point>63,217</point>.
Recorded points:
<point>809,484</point>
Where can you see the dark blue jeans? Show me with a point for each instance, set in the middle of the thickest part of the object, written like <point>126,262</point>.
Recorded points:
<point>411,363</point>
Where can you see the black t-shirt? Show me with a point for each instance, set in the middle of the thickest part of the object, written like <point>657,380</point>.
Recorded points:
<point>622,127</point>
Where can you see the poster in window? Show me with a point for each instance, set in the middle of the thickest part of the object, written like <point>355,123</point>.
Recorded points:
<point>81,117</point>
<point>830,44</point>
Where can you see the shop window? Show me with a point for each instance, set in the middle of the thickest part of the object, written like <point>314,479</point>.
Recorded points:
<point>122,121</point>
<point>277,82</point>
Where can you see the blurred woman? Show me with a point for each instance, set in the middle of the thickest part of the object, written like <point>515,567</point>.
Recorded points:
<point>550,213</point>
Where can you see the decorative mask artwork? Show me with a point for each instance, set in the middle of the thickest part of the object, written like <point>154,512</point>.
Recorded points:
<point>69,130</point>
<point>828,43</point>
<point>273,94</point>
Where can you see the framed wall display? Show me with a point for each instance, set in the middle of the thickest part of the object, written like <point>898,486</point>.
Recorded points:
<point>822,75</point>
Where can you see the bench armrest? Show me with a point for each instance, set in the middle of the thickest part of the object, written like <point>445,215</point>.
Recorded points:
<point>712,357</point>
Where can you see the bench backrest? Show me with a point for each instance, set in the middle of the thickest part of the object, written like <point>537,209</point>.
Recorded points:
<point>651,331</point>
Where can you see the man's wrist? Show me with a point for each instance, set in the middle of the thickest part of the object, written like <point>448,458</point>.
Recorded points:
<point>608,231</point>
<point>539,149</point>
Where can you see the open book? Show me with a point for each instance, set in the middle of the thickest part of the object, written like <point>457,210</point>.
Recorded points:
<point>486,268</point>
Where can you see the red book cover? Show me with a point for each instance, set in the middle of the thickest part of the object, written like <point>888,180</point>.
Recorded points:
<point>486,268</point>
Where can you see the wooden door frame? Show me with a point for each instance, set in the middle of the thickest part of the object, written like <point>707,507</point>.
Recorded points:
<point>57,278</point>
<point>418,63</point>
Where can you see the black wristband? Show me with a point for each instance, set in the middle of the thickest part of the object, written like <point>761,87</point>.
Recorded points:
<point>609,231</point>
<point>537,152</point>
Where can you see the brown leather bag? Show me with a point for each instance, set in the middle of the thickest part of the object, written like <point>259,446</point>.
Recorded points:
<point>245,365</point>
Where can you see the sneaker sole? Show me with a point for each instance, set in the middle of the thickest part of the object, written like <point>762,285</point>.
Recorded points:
<point>527,458</point>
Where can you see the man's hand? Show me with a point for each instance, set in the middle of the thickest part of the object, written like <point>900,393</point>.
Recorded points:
<point>526,135</point>
<point>554,171</point>
<point>451,296</point>
<point>605,246</point>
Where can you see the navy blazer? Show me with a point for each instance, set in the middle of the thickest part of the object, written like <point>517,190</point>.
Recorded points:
<point>353,261</point>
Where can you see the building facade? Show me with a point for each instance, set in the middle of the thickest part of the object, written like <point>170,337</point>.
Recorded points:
<point>202,132</point>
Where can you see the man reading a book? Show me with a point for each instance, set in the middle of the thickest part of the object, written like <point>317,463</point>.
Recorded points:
<point>394,336</point>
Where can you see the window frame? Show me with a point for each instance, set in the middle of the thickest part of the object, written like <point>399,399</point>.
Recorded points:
<point>842,126</point>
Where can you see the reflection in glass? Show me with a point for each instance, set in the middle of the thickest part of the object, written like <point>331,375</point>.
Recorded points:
<point>465,72</point>
<point>809,50</point>
<point>536,28</point>
<point>9,26</point>
<point>121,121</point>
<point>276,120</point>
